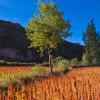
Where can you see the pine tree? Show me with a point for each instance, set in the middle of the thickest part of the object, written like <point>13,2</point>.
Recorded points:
<point>91,40</point>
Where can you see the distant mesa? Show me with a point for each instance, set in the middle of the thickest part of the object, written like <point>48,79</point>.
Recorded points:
<point>14,44</point>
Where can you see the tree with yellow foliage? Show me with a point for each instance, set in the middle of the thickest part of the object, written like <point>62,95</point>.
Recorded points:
<point>47,28</point>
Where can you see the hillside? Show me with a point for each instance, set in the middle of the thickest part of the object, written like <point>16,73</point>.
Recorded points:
<point>13,40</point>
<point>12,35</point>
<point>69,50</point>
<point>14,44</point>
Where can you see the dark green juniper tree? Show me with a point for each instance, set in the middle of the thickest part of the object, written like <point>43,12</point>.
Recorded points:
<point>47,28</point>
<point>91,40</point>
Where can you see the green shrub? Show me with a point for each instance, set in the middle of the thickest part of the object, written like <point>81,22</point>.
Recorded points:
<point>2,61</point>
<point>63,65</point>
<point>44,64</point>
<point>38,70</point>
<point>56,60</point>
<point>74,62</point>
<point>86,59</point>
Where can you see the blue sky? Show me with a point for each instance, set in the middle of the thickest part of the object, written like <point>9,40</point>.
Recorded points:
<point>79,12</point>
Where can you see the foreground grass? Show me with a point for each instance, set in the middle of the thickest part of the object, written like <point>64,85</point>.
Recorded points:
<point>78,84</point>
<point>16,73</point>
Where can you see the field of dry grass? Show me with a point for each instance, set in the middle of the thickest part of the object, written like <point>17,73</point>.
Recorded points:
<point>13,73</point>
<point>78,84</point>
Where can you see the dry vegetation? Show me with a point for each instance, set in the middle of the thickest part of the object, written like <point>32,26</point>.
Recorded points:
<point>14,73</point>
<point>79,84</point>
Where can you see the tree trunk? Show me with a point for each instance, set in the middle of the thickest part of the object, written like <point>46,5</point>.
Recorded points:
<point>50,64</point>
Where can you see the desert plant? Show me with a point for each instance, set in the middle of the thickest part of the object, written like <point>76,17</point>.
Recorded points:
<point>63,65</point>
<point>56,60</point>
<point>38,70</point>
<point>2,61</point>
<point>74,62</point>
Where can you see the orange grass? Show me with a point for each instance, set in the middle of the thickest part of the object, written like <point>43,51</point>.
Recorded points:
<point>79,84</point>
<point>15,68</point>
<point>13,72</point>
